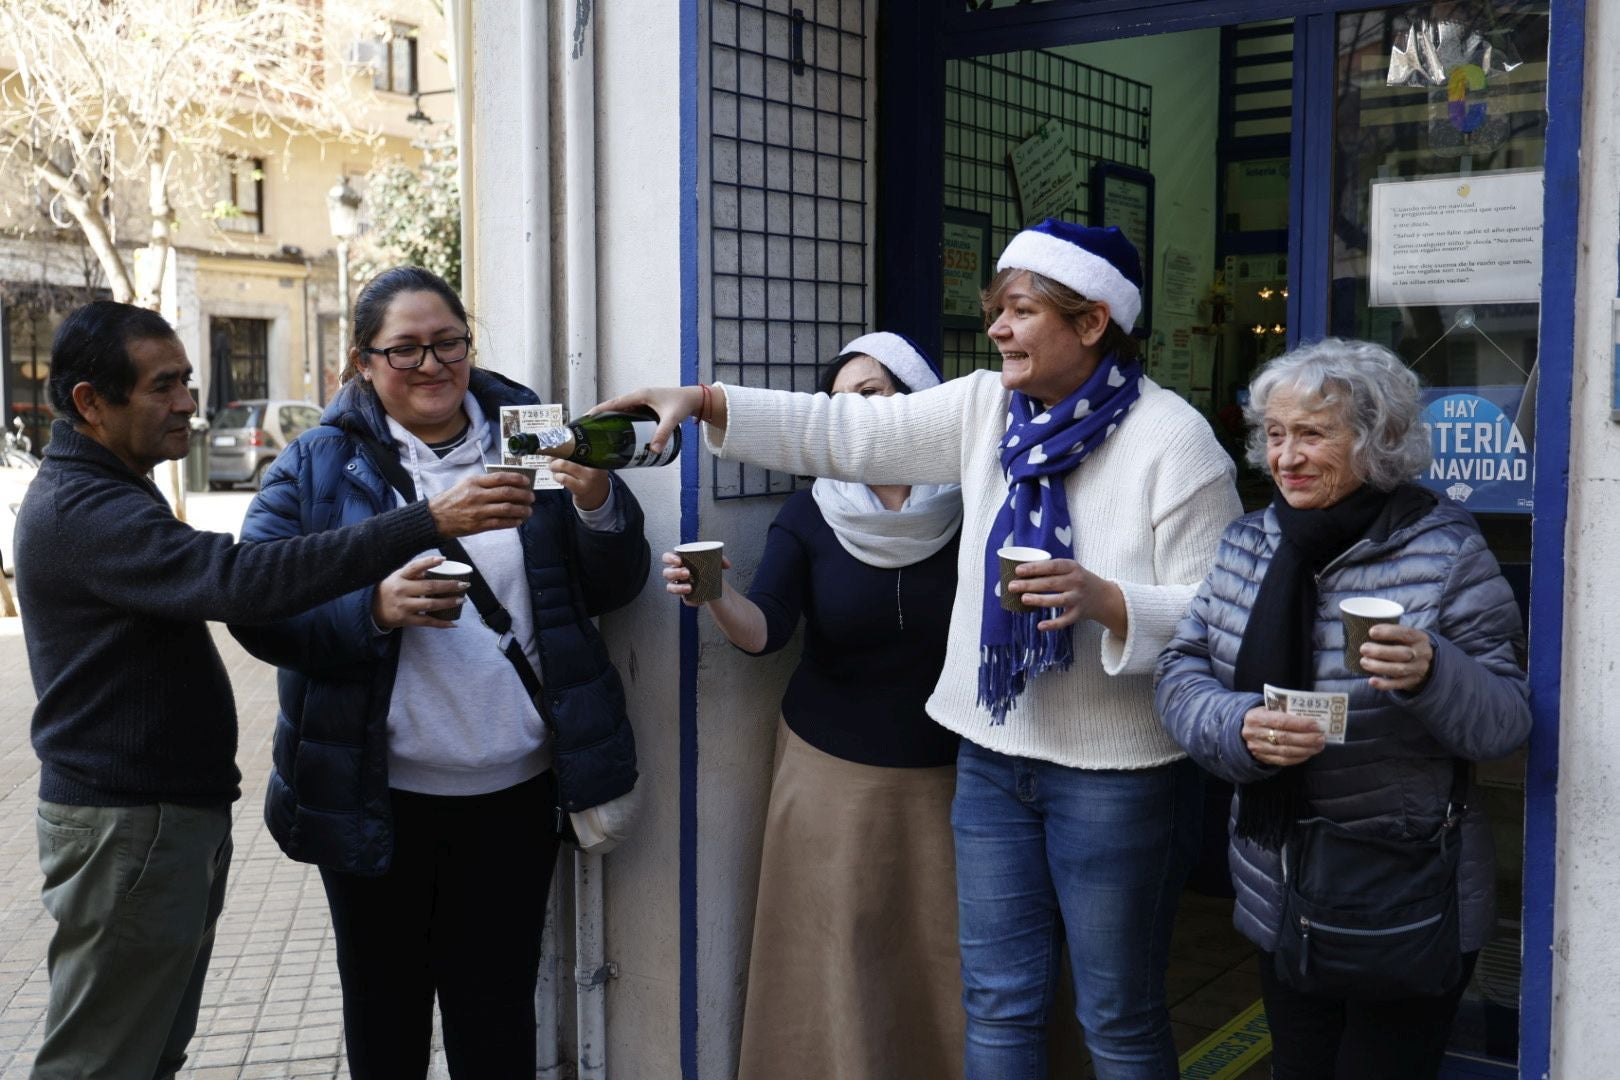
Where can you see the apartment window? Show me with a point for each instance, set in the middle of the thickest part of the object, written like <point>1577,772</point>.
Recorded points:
<point>395,59</point>
<point>239,205</point>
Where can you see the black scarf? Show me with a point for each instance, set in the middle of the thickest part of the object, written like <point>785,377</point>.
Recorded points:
<point>1276,644</point>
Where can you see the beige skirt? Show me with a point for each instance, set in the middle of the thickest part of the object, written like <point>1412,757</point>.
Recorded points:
<point>854,972</point>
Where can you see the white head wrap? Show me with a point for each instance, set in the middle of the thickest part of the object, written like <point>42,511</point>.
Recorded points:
<point>897,354</point>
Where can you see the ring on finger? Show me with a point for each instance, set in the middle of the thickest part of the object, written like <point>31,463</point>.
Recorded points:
<point>1271,736</point>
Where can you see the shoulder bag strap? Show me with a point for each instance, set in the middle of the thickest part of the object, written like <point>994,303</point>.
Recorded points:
<point>496,617</point>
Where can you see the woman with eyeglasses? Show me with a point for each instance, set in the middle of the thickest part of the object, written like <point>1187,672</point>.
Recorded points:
<point>410,763</point>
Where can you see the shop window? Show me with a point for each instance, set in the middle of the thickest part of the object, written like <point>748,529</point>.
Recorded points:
<point>997,104</point>
<point>26,336</point>
<point>1440,138</point>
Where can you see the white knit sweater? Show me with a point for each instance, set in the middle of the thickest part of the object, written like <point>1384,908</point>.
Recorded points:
<point>1148,509</point>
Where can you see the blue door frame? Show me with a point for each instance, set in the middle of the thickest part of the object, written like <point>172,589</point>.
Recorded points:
<point>914,41</point>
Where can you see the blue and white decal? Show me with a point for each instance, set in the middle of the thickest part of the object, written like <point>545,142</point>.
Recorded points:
<point>1481,458</point>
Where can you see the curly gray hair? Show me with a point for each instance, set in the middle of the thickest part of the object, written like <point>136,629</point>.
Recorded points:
<point>1375,394</point>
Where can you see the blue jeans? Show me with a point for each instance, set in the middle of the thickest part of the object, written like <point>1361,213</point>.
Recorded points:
<point>1044,851</point>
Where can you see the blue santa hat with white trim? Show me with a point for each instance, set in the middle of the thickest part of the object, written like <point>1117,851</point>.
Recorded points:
<point>1099,263</point>
<point>904,359</point>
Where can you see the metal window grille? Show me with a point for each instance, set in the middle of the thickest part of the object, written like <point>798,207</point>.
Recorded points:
<point>789,238</point>
<point>242,346</point>
<point>992,104</point>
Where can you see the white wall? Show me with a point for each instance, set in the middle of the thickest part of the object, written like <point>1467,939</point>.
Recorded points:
<point>638,281</point>
<point>1586,943</point>
<point>639,334</point>
<point>498,294</point>
<point>639,327</point>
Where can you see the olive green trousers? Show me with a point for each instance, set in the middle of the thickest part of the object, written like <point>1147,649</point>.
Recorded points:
<point>135,892</point>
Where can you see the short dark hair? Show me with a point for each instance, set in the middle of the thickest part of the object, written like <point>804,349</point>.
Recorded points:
<point>829,374</point>
<point>92,346</point>
<point>371,306</point>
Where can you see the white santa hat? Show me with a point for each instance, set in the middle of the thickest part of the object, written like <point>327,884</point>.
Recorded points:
<point>899,354</point>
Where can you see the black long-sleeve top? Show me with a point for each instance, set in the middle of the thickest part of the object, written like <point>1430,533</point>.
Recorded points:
<point>874,641</point>
<point>134,703</point>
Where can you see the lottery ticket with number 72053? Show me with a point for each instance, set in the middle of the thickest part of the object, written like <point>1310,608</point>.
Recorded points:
<point>1330,711</point>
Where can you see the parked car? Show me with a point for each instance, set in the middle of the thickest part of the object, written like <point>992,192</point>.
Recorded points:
<point>17,469</point>
<point>246,436</point>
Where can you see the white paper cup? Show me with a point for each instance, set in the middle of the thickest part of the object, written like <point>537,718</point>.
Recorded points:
<point>1011,558</point>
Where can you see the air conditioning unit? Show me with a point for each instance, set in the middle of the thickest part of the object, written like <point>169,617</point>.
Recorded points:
<point>365,53</point>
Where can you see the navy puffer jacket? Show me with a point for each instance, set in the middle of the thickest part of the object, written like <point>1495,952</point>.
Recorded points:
<point>328,797</point>
<point>1393,774</point>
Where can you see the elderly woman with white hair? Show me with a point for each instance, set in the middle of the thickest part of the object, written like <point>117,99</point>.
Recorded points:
<point>1362,862</point>
<point>853,972</point>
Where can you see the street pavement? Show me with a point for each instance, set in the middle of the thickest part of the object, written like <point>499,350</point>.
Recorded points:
<point>272,1006</point>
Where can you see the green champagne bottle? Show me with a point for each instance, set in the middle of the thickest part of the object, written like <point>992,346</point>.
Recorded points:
<point>605,440</point>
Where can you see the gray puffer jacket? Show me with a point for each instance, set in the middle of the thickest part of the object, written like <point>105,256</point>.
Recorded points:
<point>1392,775</point>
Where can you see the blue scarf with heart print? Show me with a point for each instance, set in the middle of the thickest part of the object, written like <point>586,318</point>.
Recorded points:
<point>1038,450</point>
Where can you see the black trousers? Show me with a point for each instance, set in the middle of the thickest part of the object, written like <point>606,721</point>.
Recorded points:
<point>1323,1038</point>
<point>459,914</point>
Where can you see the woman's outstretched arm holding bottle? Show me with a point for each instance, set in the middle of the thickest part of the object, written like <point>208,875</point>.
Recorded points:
<point>674,404</point>
<point>905,439</point>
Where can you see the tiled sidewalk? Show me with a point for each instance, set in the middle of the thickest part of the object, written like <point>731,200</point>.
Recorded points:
<point>272,1005</point>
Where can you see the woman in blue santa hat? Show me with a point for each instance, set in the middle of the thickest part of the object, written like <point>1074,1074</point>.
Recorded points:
<point>1075,815</point>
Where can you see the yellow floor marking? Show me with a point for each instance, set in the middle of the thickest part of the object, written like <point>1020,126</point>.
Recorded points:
<point>1243,1042</point>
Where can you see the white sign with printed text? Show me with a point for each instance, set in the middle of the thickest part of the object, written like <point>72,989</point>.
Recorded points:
<point>1469,239</point>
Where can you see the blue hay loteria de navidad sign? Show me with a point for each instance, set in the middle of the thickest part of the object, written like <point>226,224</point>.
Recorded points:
<point>1481,458</point>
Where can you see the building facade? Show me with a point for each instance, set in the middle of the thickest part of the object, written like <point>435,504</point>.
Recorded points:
<point>251,281</point>
<point>730,188</point>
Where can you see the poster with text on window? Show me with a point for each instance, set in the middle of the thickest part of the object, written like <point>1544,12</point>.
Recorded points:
<point>1468,239</point>
<point>1043,168</point>
<point>1482,460</point>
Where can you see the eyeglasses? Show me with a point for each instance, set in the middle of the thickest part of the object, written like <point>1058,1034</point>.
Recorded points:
<point>405,357</point>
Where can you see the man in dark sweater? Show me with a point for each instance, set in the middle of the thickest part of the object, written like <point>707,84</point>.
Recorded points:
<point>136,724</point>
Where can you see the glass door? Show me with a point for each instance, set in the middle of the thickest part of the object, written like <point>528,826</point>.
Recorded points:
<point>1397,152</point>
<point>1439,141</point>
